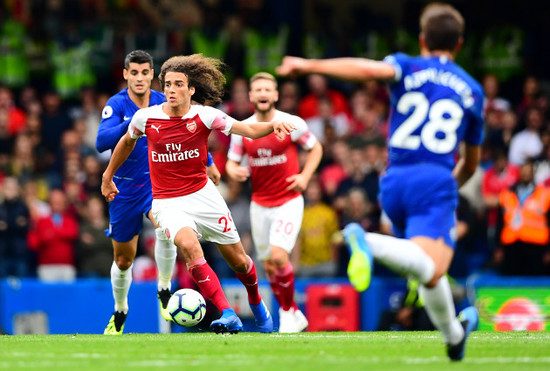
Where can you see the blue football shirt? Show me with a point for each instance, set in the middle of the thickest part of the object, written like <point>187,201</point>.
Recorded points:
<point>132,178</point>
<point>434,105</point>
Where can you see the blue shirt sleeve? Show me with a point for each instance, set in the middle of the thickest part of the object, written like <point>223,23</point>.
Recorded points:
<point>111,128</point>
<point>397,60</point>
<point>210,160</point>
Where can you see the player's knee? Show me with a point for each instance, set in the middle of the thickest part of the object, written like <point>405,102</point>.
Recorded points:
<point>269,269</point>
<point>240,264</point>
<point>279,257</point>
<point>123,262</point>
<point>435,279</point>
<point>187,244</point>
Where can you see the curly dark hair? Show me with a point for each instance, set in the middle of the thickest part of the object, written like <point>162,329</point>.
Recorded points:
<point>204,74</point>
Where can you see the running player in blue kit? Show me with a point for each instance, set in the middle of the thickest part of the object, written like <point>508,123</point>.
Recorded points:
<point>435,106</point>
<point>134,183</point>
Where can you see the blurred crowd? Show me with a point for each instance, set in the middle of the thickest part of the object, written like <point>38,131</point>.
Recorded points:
<point>57,74</point>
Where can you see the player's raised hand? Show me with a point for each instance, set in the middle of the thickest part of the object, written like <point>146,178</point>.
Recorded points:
<point>108,190</point>
<point>281,129</point>
<point>292,66</point>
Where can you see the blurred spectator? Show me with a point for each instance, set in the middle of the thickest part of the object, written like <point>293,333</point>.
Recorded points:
<point>335,167</point>
<point>34,192</point>
<point>523,227</point>
<point>54,238</point>
<point>289,97</point>
<point>493,122</point>
<point>29,100</point>
<point>238,106</point>
<point>6,145</point>
<point>72,142</point>
<point>92,171</point>
<point>318,88</point>
<point>88,113</point>
<point>327,125</point>
<point>362,174</point>
<point>502,137</point>
<point>315,254</point>
<point>55,121</point>
<point>368,121</point>
<point>499,177</point>
<point>94,250</point>
<point>14,225</point>
<point>15,116</point>
<point>527,143</point>
<point>359,209</point>
<point>21,163</point>
<point>73,186</point>
<point>530,91</point>
<point>379,97</point>
<point>493,102</point>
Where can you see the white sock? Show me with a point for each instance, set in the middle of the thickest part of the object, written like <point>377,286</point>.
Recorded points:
<point>165,256</point>
<point>441,310</point>
<point>120,282</point>
<point>401,255</point>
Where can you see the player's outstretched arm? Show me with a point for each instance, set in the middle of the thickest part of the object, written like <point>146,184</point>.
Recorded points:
<point>261,129</point>
<point>342,68</point>
<point>121,152</point>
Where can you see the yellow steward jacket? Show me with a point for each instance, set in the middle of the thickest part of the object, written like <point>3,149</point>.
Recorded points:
<point>528,221</point>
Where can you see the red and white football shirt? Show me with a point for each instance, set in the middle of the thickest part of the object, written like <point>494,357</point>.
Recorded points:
<point>272,160</point>
<point>178,146</point>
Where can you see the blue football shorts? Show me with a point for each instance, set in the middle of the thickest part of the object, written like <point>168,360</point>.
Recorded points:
<point>126,216</point>
<point>420,200</point>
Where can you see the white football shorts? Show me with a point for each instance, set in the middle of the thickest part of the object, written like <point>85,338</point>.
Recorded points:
<point>276,226</point>
<point>204,211</point>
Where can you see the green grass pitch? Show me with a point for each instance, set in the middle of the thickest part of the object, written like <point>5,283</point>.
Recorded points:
<point>253,351</point>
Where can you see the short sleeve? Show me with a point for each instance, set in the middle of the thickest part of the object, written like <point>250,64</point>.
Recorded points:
<point>236,150</point>
<point>137,125</point>
<point>396,61</point>
<point>302,135</point>
<point>216,119</point>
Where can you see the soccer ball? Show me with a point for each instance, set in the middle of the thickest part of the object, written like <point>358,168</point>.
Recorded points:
<point>187,307</point>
